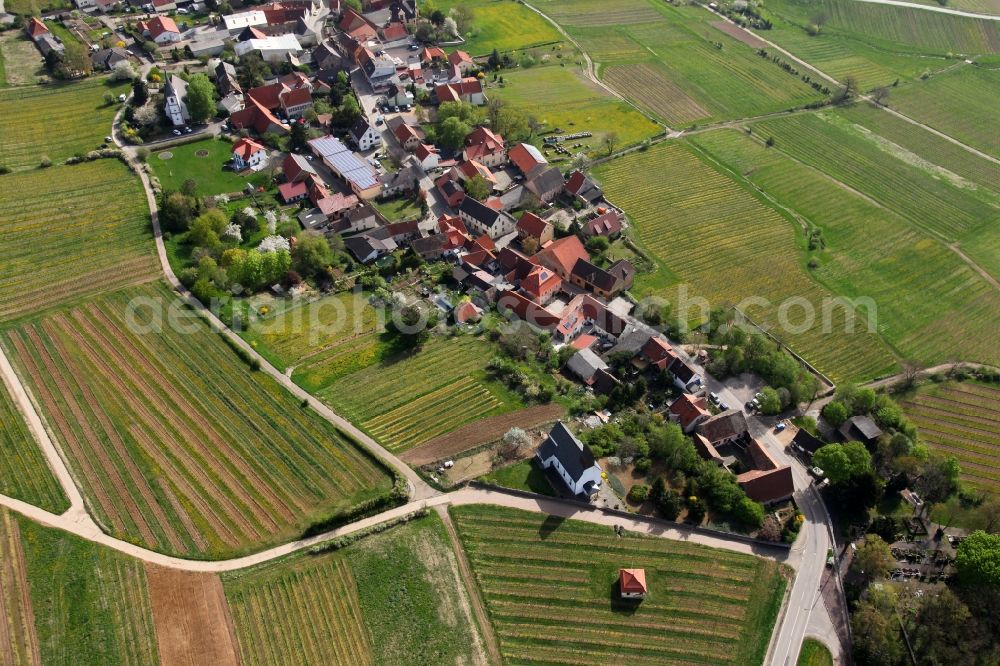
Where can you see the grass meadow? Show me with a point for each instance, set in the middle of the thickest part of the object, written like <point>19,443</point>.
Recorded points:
<point>57,120</point>
<point>560,97</point>
<point>180,446</point>
<point>203,162</point>
<point>551,589</point>
<point>720,241</point>
<point>961,103</point>
<point>24,474</point>
<point>814,653</point>
<point>20,61</point>
<point>636,45</point>
<point>91,605</point>
<point>962,420</point>
<point>932,307</point>
<point>418,395</point>
<point>68,232</point>
<point>503,25</point>
<point>392,598</point>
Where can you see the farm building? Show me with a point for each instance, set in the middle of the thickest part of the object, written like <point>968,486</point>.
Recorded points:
<point>632,583</point>
<point>860,429</point>
<point>566,455</point>
<point>347,165</point>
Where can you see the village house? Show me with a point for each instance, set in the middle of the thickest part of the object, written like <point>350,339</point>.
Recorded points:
<point>724,428</point>
<point>541,285</point>
<point>393,33</point>
<point>632,583</point>
<point>367,249</point>
<point>365,136</point>
<point>480,218</point>
<point>362,218</point>
<point>257,117</point>
<point>174,107</point>
<point>405,180</point>
<point>43,38</point>
<point>460,63</point>
<point>468,90</point>
<point>571,461</point>
<point>470,169</point>
<point>428,156</point>
<point>379,70</point>
<point>533,227</point>
<point>688,411</point>
<point>561,256</point>
<point>357,26</point>
<point>106,59</point>
<point>327,56</point>
<point>485,147</point>
<point>431,56</point>
<point>605,283</point>
<point>248,154</point>
<point>608,224</point>
<point>451,191</point>
<point>236,23</point>
<point>291,95</point>
<point>163,30</point>
<point>583,188</point>
<point>408,136</point>
<point>585,364</point>
<point>545,183</point>
<point>467,312</point>
<point>768,481</point>
<point>527,158</point>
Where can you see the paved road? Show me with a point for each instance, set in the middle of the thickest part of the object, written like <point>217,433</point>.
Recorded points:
<point>933,8</point>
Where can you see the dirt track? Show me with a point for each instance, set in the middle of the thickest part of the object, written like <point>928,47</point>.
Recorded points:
<point>192,619</point>
<point>480,432</point>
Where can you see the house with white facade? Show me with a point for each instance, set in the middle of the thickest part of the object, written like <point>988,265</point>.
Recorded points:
<point>248,154</point>
<point>571,461</point>
<point>174,107</point>
<point>365,136</point>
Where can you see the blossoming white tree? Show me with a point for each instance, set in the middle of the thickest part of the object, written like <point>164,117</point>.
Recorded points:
<point>233,232</point>
<point>273,244</point>
<point>272,221</point>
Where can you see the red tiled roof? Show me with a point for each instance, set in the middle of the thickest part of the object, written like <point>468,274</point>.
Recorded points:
<point>767,485</point>
<point>335,203</point>
<point>296,97</point>
<point>405,133</point>
<point>246,148</point>
<point>394,31</point>
<point>523,158</point>
<point>531,224</point>
<point>584,341</point>
<point>256,116</point>
<point>457,58</point>
<point>36,27</point>
<point>453,92</point>
<point>527,310</point>
<point>658,352</point>
<point>481,141</point>
<point>632,580</point>
<point>688,409</point>
<point>472,168</point>
<point>562,254</point>
<point>540,282</point>
<point>467,311</point>
<point>160,25</point>
<point>576,179</point>
<point>424,151</point>
<point>289,191</point>
<point>608,224</point>
<point>432,53</point>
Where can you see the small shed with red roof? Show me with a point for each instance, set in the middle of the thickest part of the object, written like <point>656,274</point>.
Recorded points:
<point>632,583</point>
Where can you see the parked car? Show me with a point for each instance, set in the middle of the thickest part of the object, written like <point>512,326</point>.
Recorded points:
<point>779,427</point>
<point>817,472</point>
<point>177,132</point>
<point>724,406</point>
<point>188,130</point>
<point>714,398</point>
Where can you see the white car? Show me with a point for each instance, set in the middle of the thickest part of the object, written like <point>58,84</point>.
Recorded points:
<point>177,132</point>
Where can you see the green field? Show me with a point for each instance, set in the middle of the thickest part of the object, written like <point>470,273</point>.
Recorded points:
<point>931,306</point>
<point>840,149</point>
<point>399,209</point>
<point>961,103</point>
<point>57,120</point>
<point>389,599</point>
<point>20,61</point>
<point>560,97</point>
<point>71,231</point>
<point>551,590</point>
<point>179,446</point>
<point>716,239</point>
<point>90,603</point>
<point>504,25</point>
<point>322,338</point>
<point>524,475</point>
<point>24,474</point>
<point>418,395</point>
<point>814,653</point>
<point>36,7</point>
<point>953,160</point>
<point>978,6</point>
<point>962,420</point>
<point>637,45</point>
<point>901,29</point>
<point>203,162</point>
